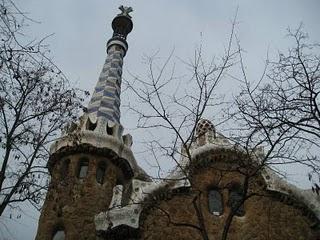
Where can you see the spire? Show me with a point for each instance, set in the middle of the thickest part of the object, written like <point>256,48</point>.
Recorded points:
<point>105,101</point>
<point>99,131</point>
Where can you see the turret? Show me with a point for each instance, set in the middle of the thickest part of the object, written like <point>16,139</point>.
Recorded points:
<point>93,156</point>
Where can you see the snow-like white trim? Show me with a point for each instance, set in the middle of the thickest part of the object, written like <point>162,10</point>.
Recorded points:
<point>116,197</point>
<point>141,191</point>
<point>277,184</point>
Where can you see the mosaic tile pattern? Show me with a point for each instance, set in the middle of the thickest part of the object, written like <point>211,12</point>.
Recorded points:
<point>105,101</point>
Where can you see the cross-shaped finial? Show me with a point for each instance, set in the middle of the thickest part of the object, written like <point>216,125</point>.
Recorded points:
<point>125,11</point>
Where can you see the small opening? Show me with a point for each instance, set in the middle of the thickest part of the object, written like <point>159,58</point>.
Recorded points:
<point>59,211</point>
<point>120,177</point>
<point>90,126</point>
<point>235,201</point>
<point>119,181</point>
<point>126,194</point>
<point>59,235</point>
<point>109,130</point>
<point>65,168</point>
<point>127,140</point>
<point>83,168</point>
<point>215,202</point>
<point>101,172</point>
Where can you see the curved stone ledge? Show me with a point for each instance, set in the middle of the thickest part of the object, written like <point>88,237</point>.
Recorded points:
<point>307,197</point>
<point>97,140</point>
<point>103,144</point>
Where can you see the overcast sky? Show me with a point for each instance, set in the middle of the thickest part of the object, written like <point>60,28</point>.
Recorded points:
<point>81,29</point>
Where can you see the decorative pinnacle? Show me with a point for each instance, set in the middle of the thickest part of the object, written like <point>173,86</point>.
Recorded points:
<point>122,25</point>
<point>125,11</point>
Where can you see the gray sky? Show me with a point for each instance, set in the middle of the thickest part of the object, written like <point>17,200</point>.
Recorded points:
<point>81,29</point>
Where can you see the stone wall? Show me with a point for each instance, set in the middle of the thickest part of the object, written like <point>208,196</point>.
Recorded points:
<point>71,203</point>
<point>267,216</point>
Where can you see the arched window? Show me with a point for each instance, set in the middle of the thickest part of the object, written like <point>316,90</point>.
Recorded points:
<point>101,170</point>
<point>215,202</point>
<point>59,235</point>
<point>65,168</point>
<point>109,130</point>
<point>120,179</point>
<point>83,168</point>
<point>235,201</point>
<point>90,125</point>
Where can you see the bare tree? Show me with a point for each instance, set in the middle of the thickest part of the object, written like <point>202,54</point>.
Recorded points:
<point>275,123</point>
<point>280,111</point>
<point>35,102</point>
<point>166,104</point>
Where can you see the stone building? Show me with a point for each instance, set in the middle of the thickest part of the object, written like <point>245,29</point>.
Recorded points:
<point>98,191</point>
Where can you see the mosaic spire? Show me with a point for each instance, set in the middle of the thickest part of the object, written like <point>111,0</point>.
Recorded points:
<point>105,101</point>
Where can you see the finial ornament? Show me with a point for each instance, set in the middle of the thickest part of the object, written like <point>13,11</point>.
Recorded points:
<point>125,11</point>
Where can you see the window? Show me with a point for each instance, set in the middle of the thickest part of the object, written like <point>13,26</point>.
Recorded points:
<point>101,172</point>
<point>90,125</point>
<point>83,168</point>
<point>215,202</point>
<point>119,181</point>
<point>65,168</point>
<point>109,130</point>
<point>59,235</point>
<point>235,199</point>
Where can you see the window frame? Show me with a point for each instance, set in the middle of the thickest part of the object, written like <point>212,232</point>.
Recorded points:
<point>213,202</point>
<point>64,169</point>
<point>101,168</point>
<point>235,196</point>
<point>83,163</point>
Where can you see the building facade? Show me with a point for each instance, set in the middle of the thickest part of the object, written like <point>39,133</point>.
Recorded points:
<point>98,191</point>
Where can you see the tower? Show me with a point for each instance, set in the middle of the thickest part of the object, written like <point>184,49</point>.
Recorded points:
<point>93,155</point>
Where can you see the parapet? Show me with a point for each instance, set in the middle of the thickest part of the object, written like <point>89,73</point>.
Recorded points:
<point>101,136</point>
